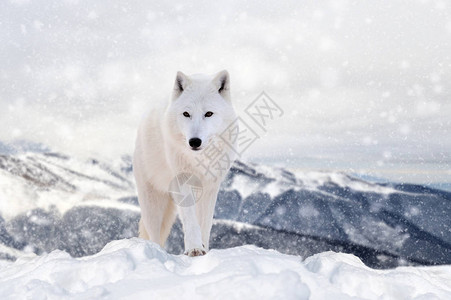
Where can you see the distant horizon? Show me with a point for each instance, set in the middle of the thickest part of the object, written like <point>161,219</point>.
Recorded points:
<point>427,174</point>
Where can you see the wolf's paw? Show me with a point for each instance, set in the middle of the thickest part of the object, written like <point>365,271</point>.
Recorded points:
<point>195,252</point>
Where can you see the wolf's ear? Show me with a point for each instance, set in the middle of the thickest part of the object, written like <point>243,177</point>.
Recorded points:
<point>181,81</point>
<point>222,84</point>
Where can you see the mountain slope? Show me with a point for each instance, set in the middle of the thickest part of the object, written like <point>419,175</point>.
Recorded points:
<point>50,201</point>
<point>409,221</point>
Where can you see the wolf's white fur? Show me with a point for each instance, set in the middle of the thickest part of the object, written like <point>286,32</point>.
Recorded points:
<point>163,151</point>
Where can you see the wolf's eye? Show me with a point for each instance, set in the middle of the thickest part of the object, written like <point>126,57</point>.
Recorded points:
<point>186,114</point>
<point>208,114</point>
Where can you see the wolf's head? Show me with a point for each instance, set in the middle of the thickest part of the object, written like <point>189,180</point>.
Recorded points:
<point>200,109</point>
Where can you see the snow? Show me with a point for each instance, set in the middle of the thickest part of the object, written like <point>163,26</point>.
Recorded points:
<point>138,269</point>
<point>282,180</point>
<point>42,181</point>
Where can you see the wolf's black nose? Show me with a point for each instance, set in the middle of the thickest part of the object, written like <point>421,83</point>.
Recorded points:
<point>195,142</point>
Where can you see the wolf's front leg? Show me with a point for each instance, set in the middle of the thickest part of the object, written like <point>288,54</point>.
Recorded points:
<point>191,229</point>
<point>205,211</point>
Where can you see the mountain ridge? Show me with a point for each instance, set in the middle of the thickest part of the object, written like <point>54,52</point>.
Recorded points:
<point>52,201</point>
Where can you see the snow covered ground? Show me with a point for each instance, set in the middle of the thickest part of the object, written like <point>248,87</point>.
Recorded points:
<point>138,269</point>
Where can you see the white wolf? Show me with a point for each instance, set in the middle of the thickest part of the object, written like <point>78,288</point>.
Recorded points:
<point>173,141</point>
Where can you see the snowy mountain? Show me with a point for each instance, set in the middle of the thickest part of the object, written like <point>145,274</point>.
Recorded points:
<point>51,201</point>
<point>397,220</point>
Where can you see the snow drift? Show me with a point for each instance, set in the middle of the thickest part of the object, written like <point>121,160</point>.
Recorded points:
<point>138,269</point>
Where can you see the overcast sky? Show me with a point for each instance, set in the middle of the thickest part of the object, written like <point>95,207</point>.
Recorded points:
<point>365,85</point>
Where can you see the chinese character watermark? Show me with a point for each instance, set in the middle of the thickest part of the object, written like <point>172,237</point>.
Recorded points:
<point>263,109</point>
<point>239,136</point>
<point>213,161</point>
